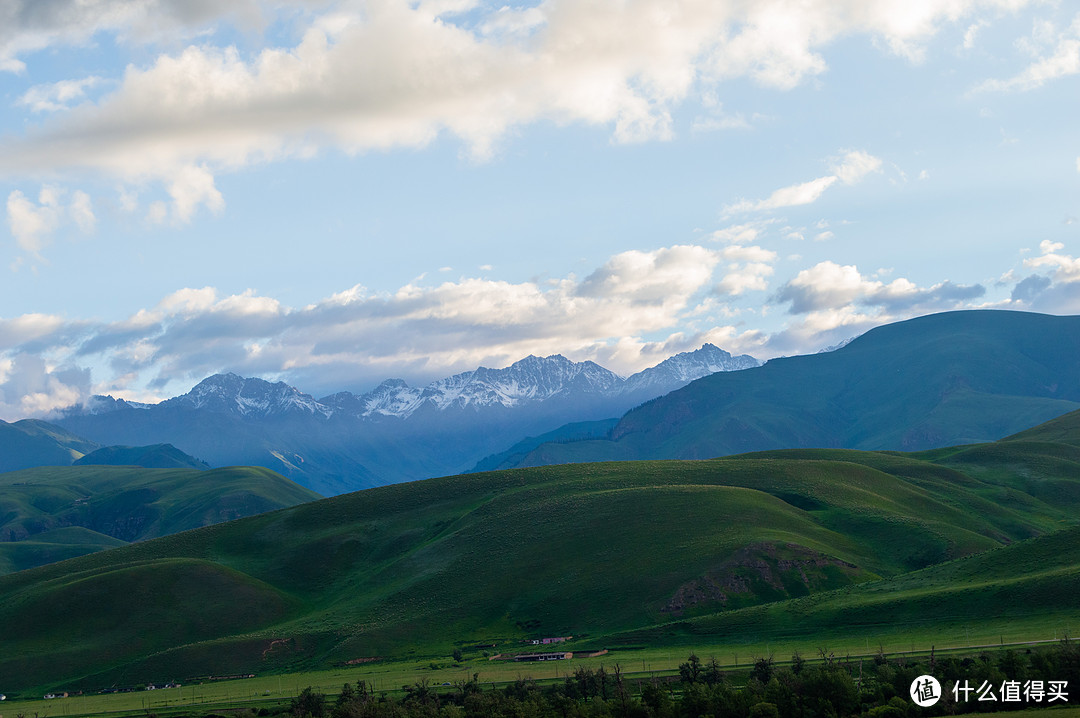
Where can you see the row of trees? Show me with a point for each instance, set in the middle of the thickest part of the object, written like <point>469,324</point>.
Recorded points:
<point>829,687</point>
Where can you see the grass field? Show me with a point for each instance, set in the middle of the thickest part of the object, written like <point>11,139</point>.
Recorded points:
<point>765,553</point>
<point>639,666</point>
<point>52,513</point>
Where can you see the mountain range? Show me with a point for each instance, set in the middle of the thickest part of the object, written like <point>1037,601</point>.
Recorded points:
<point>393,433</point>
<point>951,378</point>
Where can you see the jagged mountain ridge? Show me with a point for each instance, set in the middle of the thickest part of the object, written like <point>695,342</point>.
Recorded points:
<point>345,441</point>
<point>530,380</point>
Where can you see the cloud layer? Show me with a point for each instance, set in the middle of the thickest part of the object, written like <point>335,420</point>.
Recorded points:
<point>633,311</point>
<point>387,73</point>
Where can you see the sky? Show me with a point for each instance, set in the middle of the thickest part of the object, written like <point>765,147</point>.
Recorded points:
<point>336,193</point>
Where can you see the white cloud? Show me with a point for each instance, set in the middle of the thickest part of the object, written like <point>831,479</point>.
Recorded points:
<point>31,224</point>
<point>664,277</point>
<point>1057,53</point>
<point>855,165</point>
<point>850,169</point>
<point>30,386</point>
<point>793,196</point>
<point>28,328</point>
<point>1065,268</point>
<point>748,269</point>
<point>379,75</point>
<point>741,233</point>
<point>831,303</point>
<point>57,96</point>
<point>192,187</point>
<point>828,286</point>
<point>431,330</point>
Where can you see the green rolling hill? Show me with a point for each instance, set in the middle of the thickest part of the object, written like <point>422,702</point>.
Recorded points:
<point>31,442</point>
<point>53,513</point>
<point>668,551</point>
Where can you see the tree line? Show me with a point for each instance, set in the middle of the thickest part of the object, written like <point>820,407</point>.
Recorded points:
<point>827,687</point>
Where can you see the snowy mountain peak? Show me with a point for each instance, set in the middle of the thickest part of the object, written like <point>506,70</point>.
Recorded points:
<point>685,367</point>
<point>234,394</point>
<point>529,381</point>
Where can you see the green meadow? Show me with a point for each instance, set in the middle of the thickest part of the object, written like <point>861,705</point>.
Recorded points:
<point>755,555</point>
<point>52,513</point>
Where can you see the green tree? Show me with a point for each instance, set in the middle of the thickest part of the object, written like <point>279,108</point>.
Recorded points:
<point>309,703</point>
<point>690,672</point>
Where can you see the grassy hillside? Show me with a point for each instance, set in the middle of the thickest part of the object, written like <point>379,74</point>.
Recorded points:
<point>52,513</point>
<point>940,380</point>
<point>31,442</point>
<point>612,551</point>
<point>1034,585</point>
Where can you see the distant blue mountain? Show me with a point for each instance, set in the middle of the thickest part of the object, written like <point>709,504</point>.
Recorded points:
<point>393,433</point>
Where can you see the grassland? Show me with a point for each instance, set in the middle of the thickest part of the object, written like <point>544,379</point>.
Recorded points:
<point>760,553</point>
<point>52,513</point>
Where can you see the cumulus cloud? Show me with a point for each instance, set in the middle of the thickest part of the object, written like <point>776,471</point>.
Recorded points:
<point>32,223</point>
<point>192,187</point>
<point>830,286</point>
<point>31,387</point>
<point>1064,267</point>
<point>850,169</point>
<point>749,268</point>
<point>831,303</point>
<point>1056,289</point>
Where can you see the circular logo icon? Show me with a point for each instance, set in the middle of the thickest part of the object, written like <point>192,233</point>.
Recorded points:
<point>925,691</point>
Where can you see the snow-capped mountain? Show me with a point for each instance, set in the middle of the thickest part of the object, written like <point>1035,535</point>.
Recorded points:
<point>394,432</point>
<point>683,368</point>
<point>531,380</point>
<point>534,380</point>
<point>232,394</point>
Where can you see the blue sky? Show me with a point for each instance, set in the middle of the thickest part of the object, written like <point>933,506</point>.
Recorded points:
<point>333,193</point>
